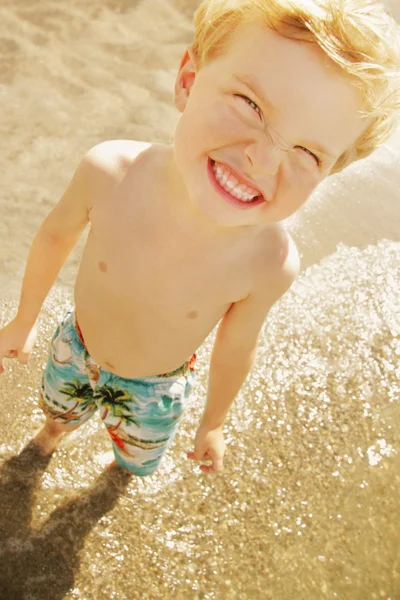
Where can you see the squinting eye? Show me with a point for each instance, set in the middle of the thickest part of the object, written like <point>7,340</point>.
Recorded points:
<point>250,102</point>
<point>314,156</point>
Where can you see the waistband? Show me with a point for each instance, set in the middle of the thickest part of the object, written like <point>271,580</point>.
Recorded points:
<point>189,365</point>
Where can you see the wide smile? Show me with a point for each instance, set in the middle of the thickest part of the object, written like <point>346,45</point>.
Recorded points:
<point>227,185</point>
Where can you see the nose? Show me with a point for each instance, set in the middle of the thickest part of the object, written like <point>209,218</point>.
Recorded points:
<point>265,156</point>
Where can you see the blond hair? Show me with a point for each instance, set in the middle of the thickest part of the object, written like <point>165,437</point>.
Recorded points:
<point>358,35</point>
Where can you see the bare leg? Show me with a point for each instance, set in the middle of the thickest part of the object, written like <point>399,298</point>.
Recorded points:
<point>51,433</point>
<point>48,437</point>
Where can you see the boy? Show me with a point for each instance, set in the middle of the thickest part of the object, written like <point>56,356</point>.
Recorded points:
<point>274,96</point>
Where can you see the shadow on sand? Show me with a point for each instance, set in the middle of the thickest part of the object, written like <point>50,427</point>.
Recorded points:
<point>41,564</point>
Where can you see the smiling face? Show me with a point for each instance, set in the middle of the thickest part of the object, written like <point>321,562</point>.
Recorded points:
<point>261,126</point>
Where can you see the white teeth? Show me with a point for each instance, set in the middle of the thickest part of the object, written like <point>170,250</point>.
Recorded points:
<point>231,184</point>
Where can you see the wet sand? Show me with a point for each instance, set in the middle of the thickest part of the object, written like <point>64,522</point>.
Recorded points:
<point>308,505</point>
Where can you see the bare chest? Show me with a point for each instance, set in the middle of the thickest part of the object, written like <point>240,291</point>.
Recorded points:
<point>154,268</point>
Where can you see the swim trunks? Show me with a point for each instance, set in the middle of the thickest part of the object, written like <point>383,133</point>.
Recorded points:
<point>141,415</point>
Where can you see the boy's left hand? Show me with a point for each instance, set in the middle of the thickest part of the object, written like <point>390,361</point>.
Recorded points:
<point>209,445</point>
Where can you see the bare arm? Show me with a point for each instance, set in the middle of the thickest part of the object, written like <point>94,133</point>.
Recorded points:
<point>54,240</point>
<point>236,342</point>
<point>52,243</point>
<point>61,229</point>
<point>233,355</point>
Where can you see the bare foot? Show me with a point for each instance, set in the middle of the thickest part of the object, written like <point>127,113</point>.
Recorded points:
<point>48,437</point>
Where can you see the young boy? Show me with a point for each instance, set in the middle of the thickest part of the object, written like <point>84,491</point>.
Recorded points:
<point>274,96</point>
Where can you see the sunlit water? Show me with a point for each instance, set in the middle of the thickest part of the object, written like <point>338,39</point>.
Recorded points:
<point>307,506</point>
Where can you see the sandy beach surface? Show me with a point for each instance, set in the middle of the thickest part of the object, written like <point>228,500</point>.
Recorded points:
<point>307,507</point>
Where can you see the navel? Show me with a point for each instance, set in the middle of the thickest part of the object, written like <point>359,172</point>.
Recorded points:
<point>192,314</point>
<point>102,266</point>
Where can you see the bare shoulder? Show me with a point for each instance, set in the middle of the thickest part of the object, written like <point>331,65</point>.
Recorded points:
<point>105,165</point>
<point>279,264</point>
<point>114,157</point>
<point>276,265</point>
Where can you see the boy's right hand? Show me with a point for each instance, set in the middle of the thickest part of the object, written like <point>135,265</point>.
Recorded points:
<point>16,341</point>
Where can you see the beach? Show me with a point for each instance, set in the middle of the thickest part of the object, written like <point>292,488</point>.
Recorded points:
<point>308,504</point>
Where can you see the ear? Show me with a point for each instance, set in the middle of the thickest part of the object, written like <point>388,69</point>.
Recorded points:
<point>185,79</point>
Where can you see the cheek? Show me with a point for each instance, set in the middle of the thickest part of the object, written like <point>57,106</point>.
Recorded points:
<point>296,185</point>
<point>231,124</point>
<point>207,129</point>
<point>217,119</point>
<point>186,135</point>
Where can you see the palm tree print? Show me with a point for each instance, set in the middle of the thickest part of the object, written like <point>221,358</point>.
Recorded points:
<point>82,393</point>
<point>114,399</point>
<point>117,438</point>
<point>46,406</point>
<point>118,402</point>
<point>127,419</point>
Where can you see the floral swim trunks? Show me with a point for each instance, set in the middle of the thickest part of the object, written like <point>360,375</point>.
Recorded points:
<point>141,415</point>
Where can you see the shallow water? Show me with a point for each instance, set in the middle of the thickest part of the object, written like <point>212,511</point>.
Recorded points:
<point>308,503</point>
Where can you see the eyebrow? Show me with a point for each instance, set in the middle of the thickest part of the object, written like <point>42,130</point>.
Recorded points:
<point>254,87</point>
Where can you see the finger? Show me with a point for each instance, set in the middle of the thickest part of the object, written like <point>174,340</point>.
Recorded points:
<point>217,460</point>
<point>205,469</point>
<point>217,465</point>
<point>23,358</point>
<point>30,342</point>
<point>210,469</point>
<point>197,456</point>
